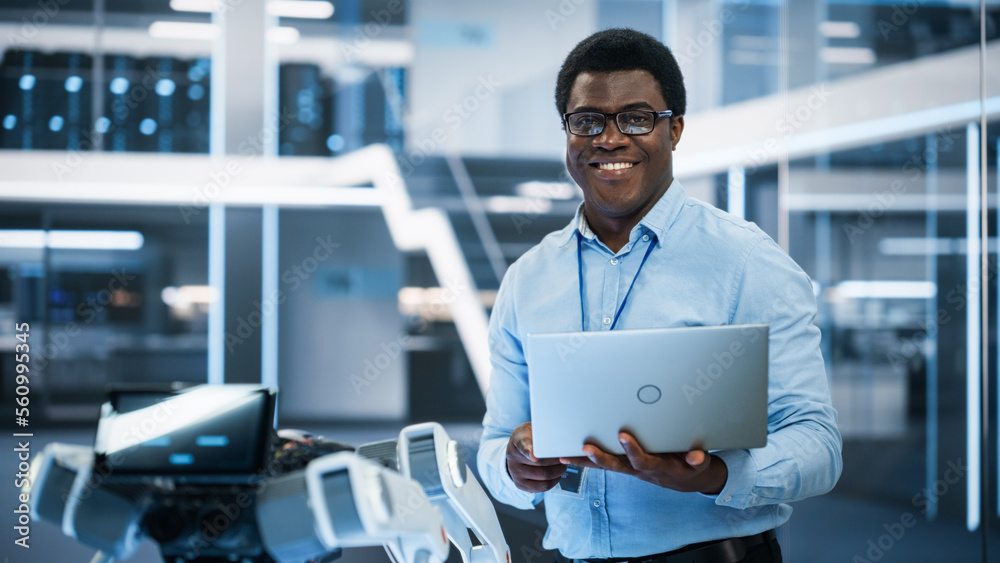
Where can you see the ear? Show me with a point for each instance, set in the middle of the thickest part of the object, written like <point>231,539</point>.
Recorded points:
<point>676,128</point>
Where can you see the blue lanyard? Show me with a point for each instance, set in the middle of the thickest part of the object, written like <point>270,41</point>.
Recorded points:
<point>579,264</point>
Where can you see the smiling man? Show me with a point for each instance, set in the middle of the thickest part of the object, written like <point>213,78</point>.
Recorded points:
<point>641,254</point>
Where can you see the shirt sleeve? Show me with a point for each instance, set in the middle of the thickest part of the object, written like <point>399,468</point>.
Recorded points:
<point>507,400</point>
<point>802,457</point>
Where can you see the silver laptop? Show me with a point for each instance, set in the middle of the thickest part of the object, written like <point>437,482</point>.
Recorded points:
<point>673,388</point>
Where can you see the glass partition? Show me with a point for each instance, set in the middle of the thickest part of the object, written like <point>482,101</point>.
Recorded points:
<point>882,209</point>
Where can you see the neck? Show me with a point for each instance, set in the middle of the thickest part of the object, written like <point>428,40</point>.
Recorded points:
<point>613,232</point>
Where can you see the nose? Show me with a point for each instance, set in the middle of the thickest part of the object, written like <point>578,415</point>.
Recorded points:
<point>611,137</point>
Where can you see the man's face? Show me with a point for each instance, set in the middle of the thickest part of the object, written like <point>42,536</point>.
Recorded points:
<point>621,176</point>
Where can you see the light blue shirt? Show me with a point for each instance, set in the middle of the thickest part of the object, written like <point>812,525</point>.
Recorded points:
<point>707,268</point>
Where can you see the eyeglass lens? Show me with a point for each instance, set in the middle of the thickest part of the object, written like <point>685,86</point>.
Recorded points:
<point>629,122</point>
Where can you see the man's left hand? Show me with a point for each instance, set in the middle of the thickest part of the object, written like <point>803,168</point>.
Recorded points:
<point>693,471</point>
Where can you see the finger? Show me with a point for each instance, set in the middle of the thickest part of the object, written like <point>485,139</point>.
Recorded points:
<point>524,446</point>
<point>539,473</point>
<point>536,486</point>
<point>637,457</point>
<point>696,458</point>
<point>581,461</point>
<point>545,461</point>
<point>604,460</point>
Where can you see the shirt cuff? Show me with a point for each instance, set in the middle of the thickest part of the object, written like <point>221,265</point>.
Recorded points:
<point>738,492</point>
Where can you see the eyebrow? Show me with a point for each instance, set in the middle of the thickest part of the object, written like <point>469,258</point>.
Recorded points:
<point>626,107</point>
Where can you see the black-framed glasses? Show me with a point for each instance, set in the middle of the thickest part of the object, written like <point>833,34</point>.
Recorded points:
<point>631,122</point>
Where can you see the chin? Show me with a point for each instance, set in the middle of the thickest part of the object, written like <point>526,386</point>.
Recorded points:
<point>617,209</point>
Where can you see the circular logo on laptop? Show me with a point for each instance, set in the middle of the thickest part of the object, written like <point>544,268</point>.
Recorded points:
<point>649,394</point>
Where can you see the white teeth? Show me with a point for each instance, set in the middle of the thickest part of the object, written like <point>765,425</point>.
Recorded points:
<point>614,165</point>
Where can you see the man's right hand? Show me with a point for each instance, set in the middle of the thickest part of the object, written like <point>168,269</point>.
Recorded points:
<point>529,472</point>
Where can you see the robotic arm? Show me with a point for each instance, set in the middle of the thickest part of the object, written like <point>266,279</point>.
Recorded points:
<point>432,486</point>
<point>64,491</point>
<point>430,457</point>
<point>213,483</point>
<point>342,500</point>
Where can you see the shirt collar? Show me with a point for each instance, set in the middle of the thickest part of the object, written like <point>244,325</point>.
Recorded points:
<point>658,220</point>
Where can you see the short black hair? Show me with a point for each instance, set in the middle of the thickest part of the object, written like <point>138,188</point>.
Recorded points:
<point>619,49</point>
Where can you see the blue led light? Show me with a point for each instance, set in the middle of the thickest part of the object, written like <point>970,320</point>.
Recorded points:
<point>196,92</point>
<point>181,459</point>
<point>147,126</point>
<point>335,143</point>
<point>102,125</point>
<point>9,122</point>
<point>165,87</point>
<point>196,73</point>
<point>158,442</point>
<point>56,123</point>
<point>27,82</point>
<point>73,84</point>
<point>119,85</point>
<point>212,441</point>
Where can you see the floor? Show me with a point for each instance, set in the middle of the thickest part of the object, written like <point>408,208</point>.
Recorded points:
<point>835,528</point>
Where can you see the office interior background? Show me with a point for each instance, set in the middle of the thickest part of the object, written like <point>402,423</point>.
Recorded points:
<point>325,201</point>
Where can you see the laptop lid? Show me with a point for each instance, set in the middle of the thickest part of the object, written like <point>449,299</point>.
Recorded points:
<point>673,388</point>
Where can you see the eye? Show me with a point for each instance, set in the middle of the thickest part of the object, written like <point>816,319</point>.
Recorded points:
<point>638,118</point>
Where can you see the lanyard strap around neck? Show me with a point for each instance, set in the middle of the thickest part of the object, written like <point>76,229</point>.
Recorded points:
<point>579,263</point>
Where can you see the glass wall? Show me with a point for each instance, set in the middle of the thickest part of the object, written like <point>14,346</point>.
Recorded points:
<point>852,133</point>
<point>880,204</point>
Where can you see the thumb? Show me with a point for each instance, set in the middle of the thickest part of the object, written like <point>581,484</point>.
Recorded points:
<point>695,458</point>
<point>524,446</point>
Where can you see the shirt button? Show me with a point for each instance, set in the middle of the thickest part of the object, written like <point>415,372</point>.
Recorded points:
<point>614,261</point>
<point>597,504</point>
<point>607,320</point>
<point>729,499</point>
<point>645,238</point>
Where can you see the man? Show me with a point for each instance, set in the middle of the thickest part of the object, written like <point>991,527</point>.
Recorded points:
<point>679,262</point>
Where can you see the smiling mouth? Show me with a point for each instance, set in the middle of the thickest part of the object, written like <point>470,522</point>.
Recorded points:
<point>613,165</point>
